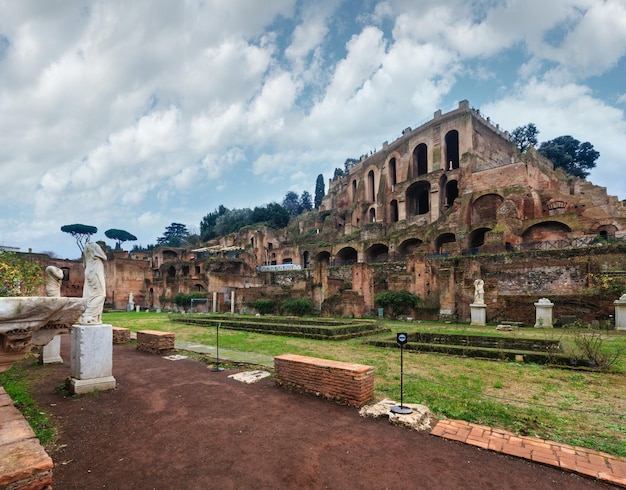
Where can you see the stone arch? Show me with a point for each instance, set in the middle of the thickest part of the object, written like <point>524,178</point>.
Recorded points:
<point>372,215</point>
<point>171,271</point>
<point>418,198</point>
<point>378,252</point>
<point>452,150</point>
<point>477,238</point>
<point>347,255</point>
<point>485,208</point>
<point>354,190</point>
<point>306,259</point>
<point>323,256</point>
<point>546,231</point>
<point>198,287</point>
<point>606,231</point>
<point>443,240</point>
<point>169,255</point>
<point>393,211</point>
<point>409,246</point>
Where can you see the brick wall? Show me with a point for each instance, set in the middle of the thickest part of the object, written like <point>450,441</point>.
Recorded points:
<point>352,384</point>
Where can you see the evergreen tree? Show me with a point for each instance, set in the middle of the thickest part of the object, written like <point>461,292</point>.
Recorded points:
<point>524,137</point>
<point>291,203</point>
<point>319,191</point>
<point>176,235</point>
<point>306,203</point>
<point>571,155</point>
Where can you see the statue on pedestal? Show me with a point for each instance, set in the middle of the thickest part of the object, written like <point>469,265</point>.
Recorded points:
<point>94,289</point>
<point>54,276</point>
<point>479,292</point>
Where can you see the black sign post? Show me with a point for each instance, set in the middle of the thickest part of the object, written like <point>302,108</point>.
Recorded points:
<point>402,339</point>
<point>217,367</point>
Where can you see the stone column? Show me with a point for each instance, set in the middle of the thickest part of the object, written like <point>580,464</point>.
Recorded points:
<point>92,358</point>
<point>620,313</point>
<point>232,302</point>
<point>214,301</point>
<point>543,313</point>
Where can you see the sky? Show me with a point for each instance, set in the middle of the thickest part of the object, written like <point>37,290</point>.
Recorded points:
<point>134,115</point>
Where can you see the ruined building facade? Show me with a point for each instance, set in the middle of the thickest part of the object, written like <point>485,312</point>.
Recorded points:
<point>447,202</point>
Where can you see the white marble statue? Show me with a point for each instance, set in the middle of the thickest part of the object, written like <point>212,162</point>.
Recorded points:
<point>54,276</point>
<point>131,302</point>
<point>479,292</point>
<point>94,289</point>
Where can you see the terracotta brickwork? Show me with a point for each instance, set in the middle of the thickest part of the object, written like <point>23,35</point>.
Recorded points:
<point>23,462</point>
<point>155,342</point>
<point>352,384</point>
<point>121,335</point>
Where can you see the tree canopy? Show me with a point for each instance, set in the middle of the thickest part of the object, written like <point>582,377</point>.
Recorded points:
<point>524,137</point>
<point>120,236</point>
<point>176,235</point>
<point>18,277</point>
<point>81,233</point>
<point>571,155</point>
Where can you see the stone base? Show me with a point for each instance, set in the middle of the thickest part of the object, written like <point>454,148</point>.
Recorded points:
<point>121,335</point>
<point>82,386</point>
<point>51,352</point>
<point>479,314</point>
<point>92,351</point>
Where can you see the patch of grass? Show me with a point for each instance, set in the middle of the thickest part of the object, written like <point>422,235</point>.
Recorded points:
<point>576,407</point>
<point>17,385</point>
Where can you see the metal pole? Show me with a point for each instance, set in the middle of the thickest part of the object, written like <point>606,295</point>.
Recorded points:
<point>217,367</point>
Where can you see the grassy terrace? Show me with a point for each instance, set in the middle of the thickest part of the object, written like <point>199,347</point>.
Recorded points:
<point>312,328</point>
<point>579,407</point>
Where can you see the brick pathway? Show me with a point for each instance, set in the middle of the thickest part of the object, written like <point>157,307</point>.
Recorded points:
<point>602,466</point>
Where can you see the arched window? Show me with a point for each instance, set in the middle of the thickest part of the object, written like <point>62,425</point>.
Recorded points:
<point>452,192</point>
<point>393,180</point>
<point>372,215</point>
<point>354,189</point>
<point>452,150</point>
<point>420,159</point>
<point>418,199</point>
<point>393,211</point>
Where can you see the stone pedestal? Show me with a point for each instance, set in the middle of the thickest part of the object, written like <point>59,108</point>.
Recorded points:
<point>479,313</point>
<point>543,313</point>
<point>92,358</point>
<point>51,352</point>
<point>620,313</point>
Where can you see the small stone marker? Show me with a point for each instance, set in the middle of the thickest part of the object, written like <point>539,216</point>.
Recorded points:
<point>249,376</point>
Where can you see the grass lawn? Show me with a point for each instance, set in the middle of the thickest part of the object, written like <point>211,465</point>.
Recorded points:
<point>579,407</point>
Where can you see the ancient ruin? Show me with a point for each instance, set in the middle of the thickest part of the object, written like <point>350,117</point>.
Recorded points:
<point>443,205</point>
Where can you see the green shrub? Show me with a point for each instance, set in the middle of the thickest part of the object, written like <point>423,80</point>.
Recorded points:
<point>184,300</point>
<point>397,302</point>
<point>298,307</point>
<point>263,306</point>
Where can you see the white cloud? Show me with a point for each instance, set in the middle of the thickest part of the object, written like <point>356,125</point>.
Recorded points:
<point>569,110</point>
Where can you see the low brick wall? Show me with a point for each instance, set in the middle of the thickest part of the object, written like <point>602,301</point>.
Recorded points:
<point>23,462</point>
<point>155,342</point>
<point>352,384</point>
<point>121,335</point>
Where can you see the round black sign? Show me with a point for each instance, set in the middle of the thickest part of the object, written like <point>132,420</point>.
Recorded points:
<point>402,338</point>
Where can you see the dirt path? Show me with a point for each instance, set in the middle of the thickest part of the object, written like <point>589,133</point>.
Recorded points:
<point>177,424</point>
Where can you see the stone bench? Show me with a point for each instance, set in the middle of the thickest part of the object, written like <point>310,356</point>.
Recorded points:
<point>23,462</point>
<point>347,383</point>
<point>121,335</point>
<point>155,342</point>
